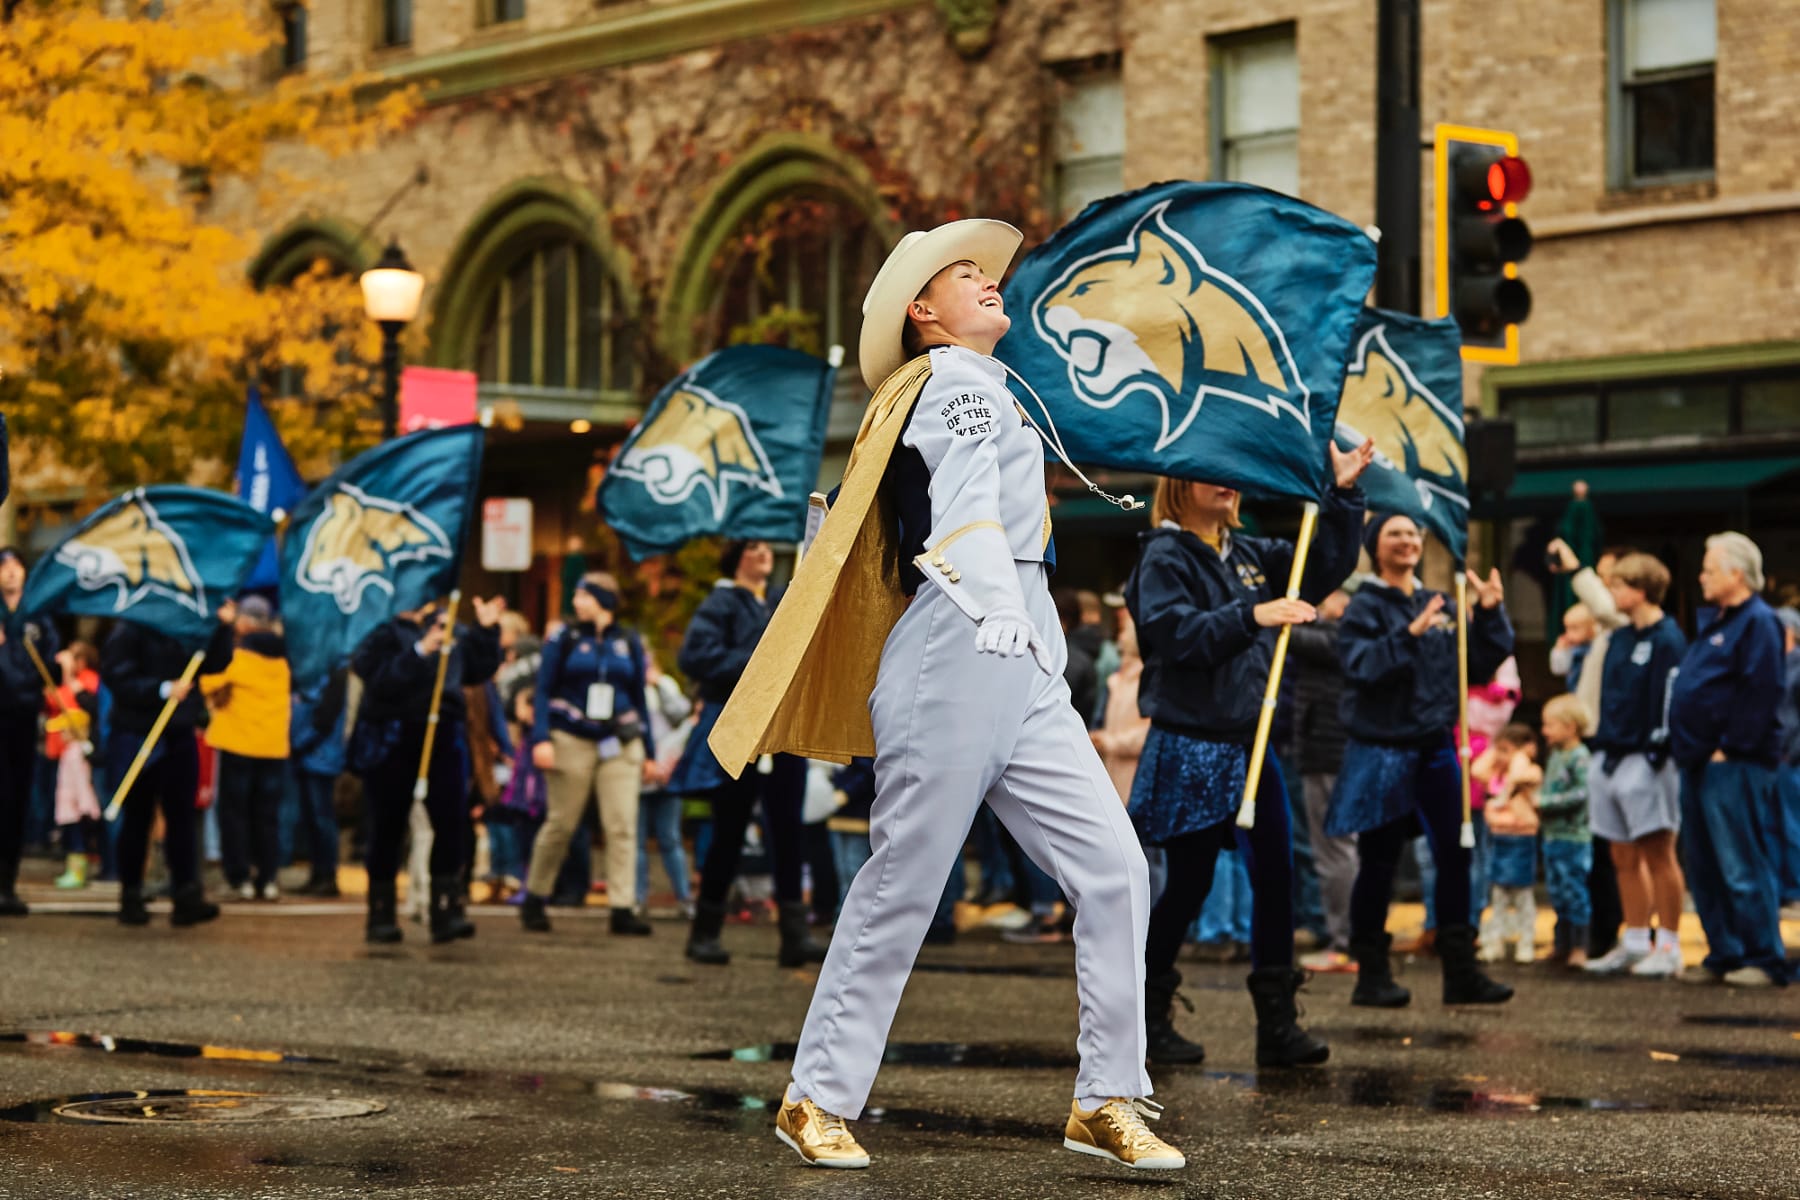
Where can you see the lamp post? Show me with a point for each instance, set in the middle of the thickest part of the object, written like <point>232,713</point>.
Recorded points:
<point>391,291</point>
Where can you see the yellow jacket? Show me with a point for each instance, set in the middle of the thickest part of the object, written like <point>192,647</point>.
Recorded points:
<point>250,699</point>
<point>806,688</point>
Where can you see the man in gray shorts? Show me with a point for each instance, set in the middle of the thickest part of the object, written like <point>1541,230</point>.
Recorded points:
<point>1634,790</point>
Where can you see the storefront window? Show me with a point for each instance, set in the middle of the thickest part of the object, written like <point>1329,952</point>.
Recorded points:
<point>1568,418</point>
<point>1668,410</point>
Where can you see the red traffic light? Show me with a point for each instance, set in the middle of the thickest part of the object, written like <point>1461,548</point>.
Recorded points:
<point>1508,180</point>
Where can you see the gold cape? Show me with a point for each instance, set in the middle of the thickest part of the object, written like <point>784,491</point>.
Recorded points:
<point>806,688</point>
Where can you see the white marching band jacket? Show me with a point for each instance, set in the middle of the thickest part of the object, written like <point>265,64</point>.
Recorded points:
<point>988,508</point>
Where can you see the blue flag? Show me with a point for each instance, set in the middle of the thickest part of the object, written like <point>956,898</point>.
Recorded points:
<point>383,535</point>
<point>266,481</point>
<point>731,446</point>
<point>1403,388</point>
<point>1196,330</point>
<point>164,556</point>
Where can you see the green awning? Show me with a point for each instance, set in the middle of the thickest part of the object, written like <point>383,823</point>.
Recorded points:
<point>1714,475</point>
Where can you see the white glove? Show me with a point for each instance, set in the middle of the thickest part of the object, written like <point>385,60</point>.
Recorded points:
<point>1010,633</point>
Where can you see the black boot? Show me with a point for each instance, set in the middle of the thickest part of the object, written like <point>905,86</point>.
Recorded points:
<point>383,928</point>
<point>1280,1042</point>
<point>1166,1046</point>
<point>447,920</point>
<point>627,922</point>
<point>703,936</point>
<point>797,945</point>
<point>191,905</point>
<point>10,904</point>
<point>1375,986</point>
<point>131,906</point>
<point>532,915</point>
<point>1463,981</point>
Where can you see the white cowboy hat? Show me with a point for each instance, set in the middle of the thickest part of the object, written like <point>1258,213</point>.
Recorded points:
<point>990,245</point>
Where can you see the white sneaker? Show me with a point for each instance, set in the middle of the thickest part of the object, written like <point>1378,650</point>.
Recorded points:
<point>1525,953</point>
<point>1661,963</point>
<point>1616,961</point>
<point>1749,977</point>
<point>271,890</point>
<point>246,890</point>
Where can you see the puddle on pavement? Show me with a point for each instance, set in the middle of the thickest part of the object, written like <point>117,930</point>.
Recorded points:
<point>998,1055</point>
<point>117,1045</point>
<point>1729,1021</point>
<point>189,1106</point>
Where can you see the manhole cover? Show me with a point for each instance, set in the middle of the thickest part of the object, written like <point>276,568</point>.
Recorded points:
<point>207,1106</point>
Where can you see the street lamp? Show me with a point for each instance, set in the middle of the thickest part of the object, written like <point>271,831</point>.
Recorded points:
<point>391,291</point>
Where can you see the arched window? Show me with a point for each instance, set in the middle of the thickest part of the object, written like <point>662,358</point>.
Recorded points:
<point>810,255</point>
<point>553,320</point>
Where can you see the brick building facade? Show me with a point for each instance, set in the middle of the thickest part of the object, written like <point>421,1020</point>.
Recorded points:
<point>610,184</point>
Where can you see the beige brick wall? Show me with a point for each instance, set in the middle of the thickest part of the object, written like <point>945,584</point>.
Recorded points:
<point>1537,67</point>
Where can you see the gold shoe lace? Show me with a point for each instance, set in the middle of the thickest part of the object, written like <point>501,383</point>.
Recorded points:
<point>1127,1116</point>
<point>831,1127</point>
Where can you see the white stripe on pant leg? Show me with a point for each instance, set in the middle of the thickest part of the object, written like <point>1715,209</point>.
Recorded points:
<point>1066,815</point>
<point>945,722</point>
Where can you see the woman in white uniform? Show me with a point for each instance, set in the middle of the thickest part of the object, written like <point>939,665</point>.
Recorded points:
<point>970,705</point>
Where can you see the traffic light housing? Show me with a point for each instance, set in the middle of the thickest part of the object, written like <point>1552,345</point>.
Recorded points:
<point>1479,240</point>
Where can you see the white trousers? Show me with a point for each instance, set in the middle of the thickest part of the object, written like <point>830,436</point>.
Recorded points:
<point>954,728</point>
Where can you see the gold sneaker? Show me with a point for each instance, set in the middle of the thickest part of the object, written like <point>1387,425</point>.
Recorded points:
<point>820,1138</point>
<point>1116,1130</point>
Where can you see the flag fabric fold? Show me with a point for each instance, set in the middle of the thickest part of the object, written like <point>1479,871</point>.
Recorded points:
<point>267,481</point>
<point>166,556</point>
<point>383,535</point>
<point>1403,389</point>
<point>730,447</point>
<point>1196,330</point>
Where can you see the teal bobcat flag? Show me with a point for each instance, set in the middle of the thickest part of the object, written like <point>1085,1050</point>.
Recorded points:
<point>383,535</point>
<point>1403,389</point>
<point>164,556</point>
<point>1196,330</point>
<point>731,446</point>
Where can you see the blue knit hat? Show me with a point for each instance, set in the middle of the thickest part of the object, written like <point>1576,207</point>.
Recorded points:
<point>1372,531</point>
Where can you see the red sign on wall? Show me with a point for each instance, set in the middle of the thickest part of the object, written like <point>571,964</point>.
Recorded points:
<point>431,398</point>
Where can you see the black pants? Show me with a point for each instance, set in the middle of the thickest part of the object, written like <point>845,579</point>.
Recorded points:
<point>171,780</point>
<point>250,816</point>
<point>781,792</point>
<point>1438,787</point>
<point>1268,849</point>
<point>1603,897</point>
<point>388,801</point>
<point>18,762</point>
<point>817,840</point>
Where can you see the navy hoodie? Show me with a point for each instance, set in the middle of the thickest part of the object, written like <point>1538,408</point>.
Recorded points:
<point>398,680</point>
<point>1206,660</point>
<point>1635,688</point>
<point>721,638</point>
<point>1728,688</point>
<point>1400,690</point>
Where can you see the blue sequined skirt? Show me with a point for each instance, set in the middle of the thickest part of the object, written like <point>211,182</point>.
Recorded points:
<point>1375,786</point>
<point>1185,784</point>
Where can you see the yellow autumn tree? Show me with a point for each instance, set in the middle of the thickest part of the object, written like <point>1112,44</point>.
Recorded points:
<point>128,327</point>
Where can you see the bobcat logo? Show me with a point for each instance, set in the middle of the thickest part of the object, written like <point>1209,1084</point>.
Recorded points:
<point>1414,431</point>
<point>355,543</point>
<point>138,554</point>
<point>698,441</point>
<point>1151,316</point>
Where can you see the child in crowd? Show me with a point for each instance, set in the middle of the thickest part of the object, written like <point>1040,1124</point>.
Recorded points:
<point>512,823</point>
<point>1571,649</point>
<point>1512,777</point>
<point>1563,807</point>
<point>69,736</point>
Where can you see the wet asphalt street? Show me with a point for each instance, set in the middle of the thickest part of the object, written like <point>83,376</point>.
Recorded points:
<point>580,1064</point>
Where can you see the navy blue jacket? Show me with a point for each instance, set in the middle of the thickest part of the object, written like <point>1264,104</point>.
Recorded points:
<point>857,781</point>
<point>1400,690</point>
<point>721,637</point>
<point>397,679</point>
<point>1634,689</point>
<point>1728,688</point>
<point>21,687</point>
<point>1206,660</point>
<point>135,661</point>
<point>1789,712</point>
<point>574,660</point>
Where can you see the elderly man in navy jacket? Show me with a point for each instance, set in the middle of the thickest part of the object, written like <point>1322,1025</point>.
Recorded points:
<point>1722,730</point>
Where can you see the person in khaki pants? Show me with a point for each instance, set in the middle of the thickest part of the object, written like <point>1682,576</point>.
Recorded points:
<point>591,734</point>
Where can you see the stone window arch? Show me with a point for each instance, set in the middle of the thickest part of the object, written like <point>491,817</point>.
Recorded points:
<point>534,303</point>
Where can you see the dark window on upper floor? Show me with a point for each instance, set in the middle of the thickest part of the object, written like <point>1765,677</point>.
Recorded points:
<point>506,10</point>
<point>1663,69</point>
<point>396,22</point>
<point>293,37</point>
